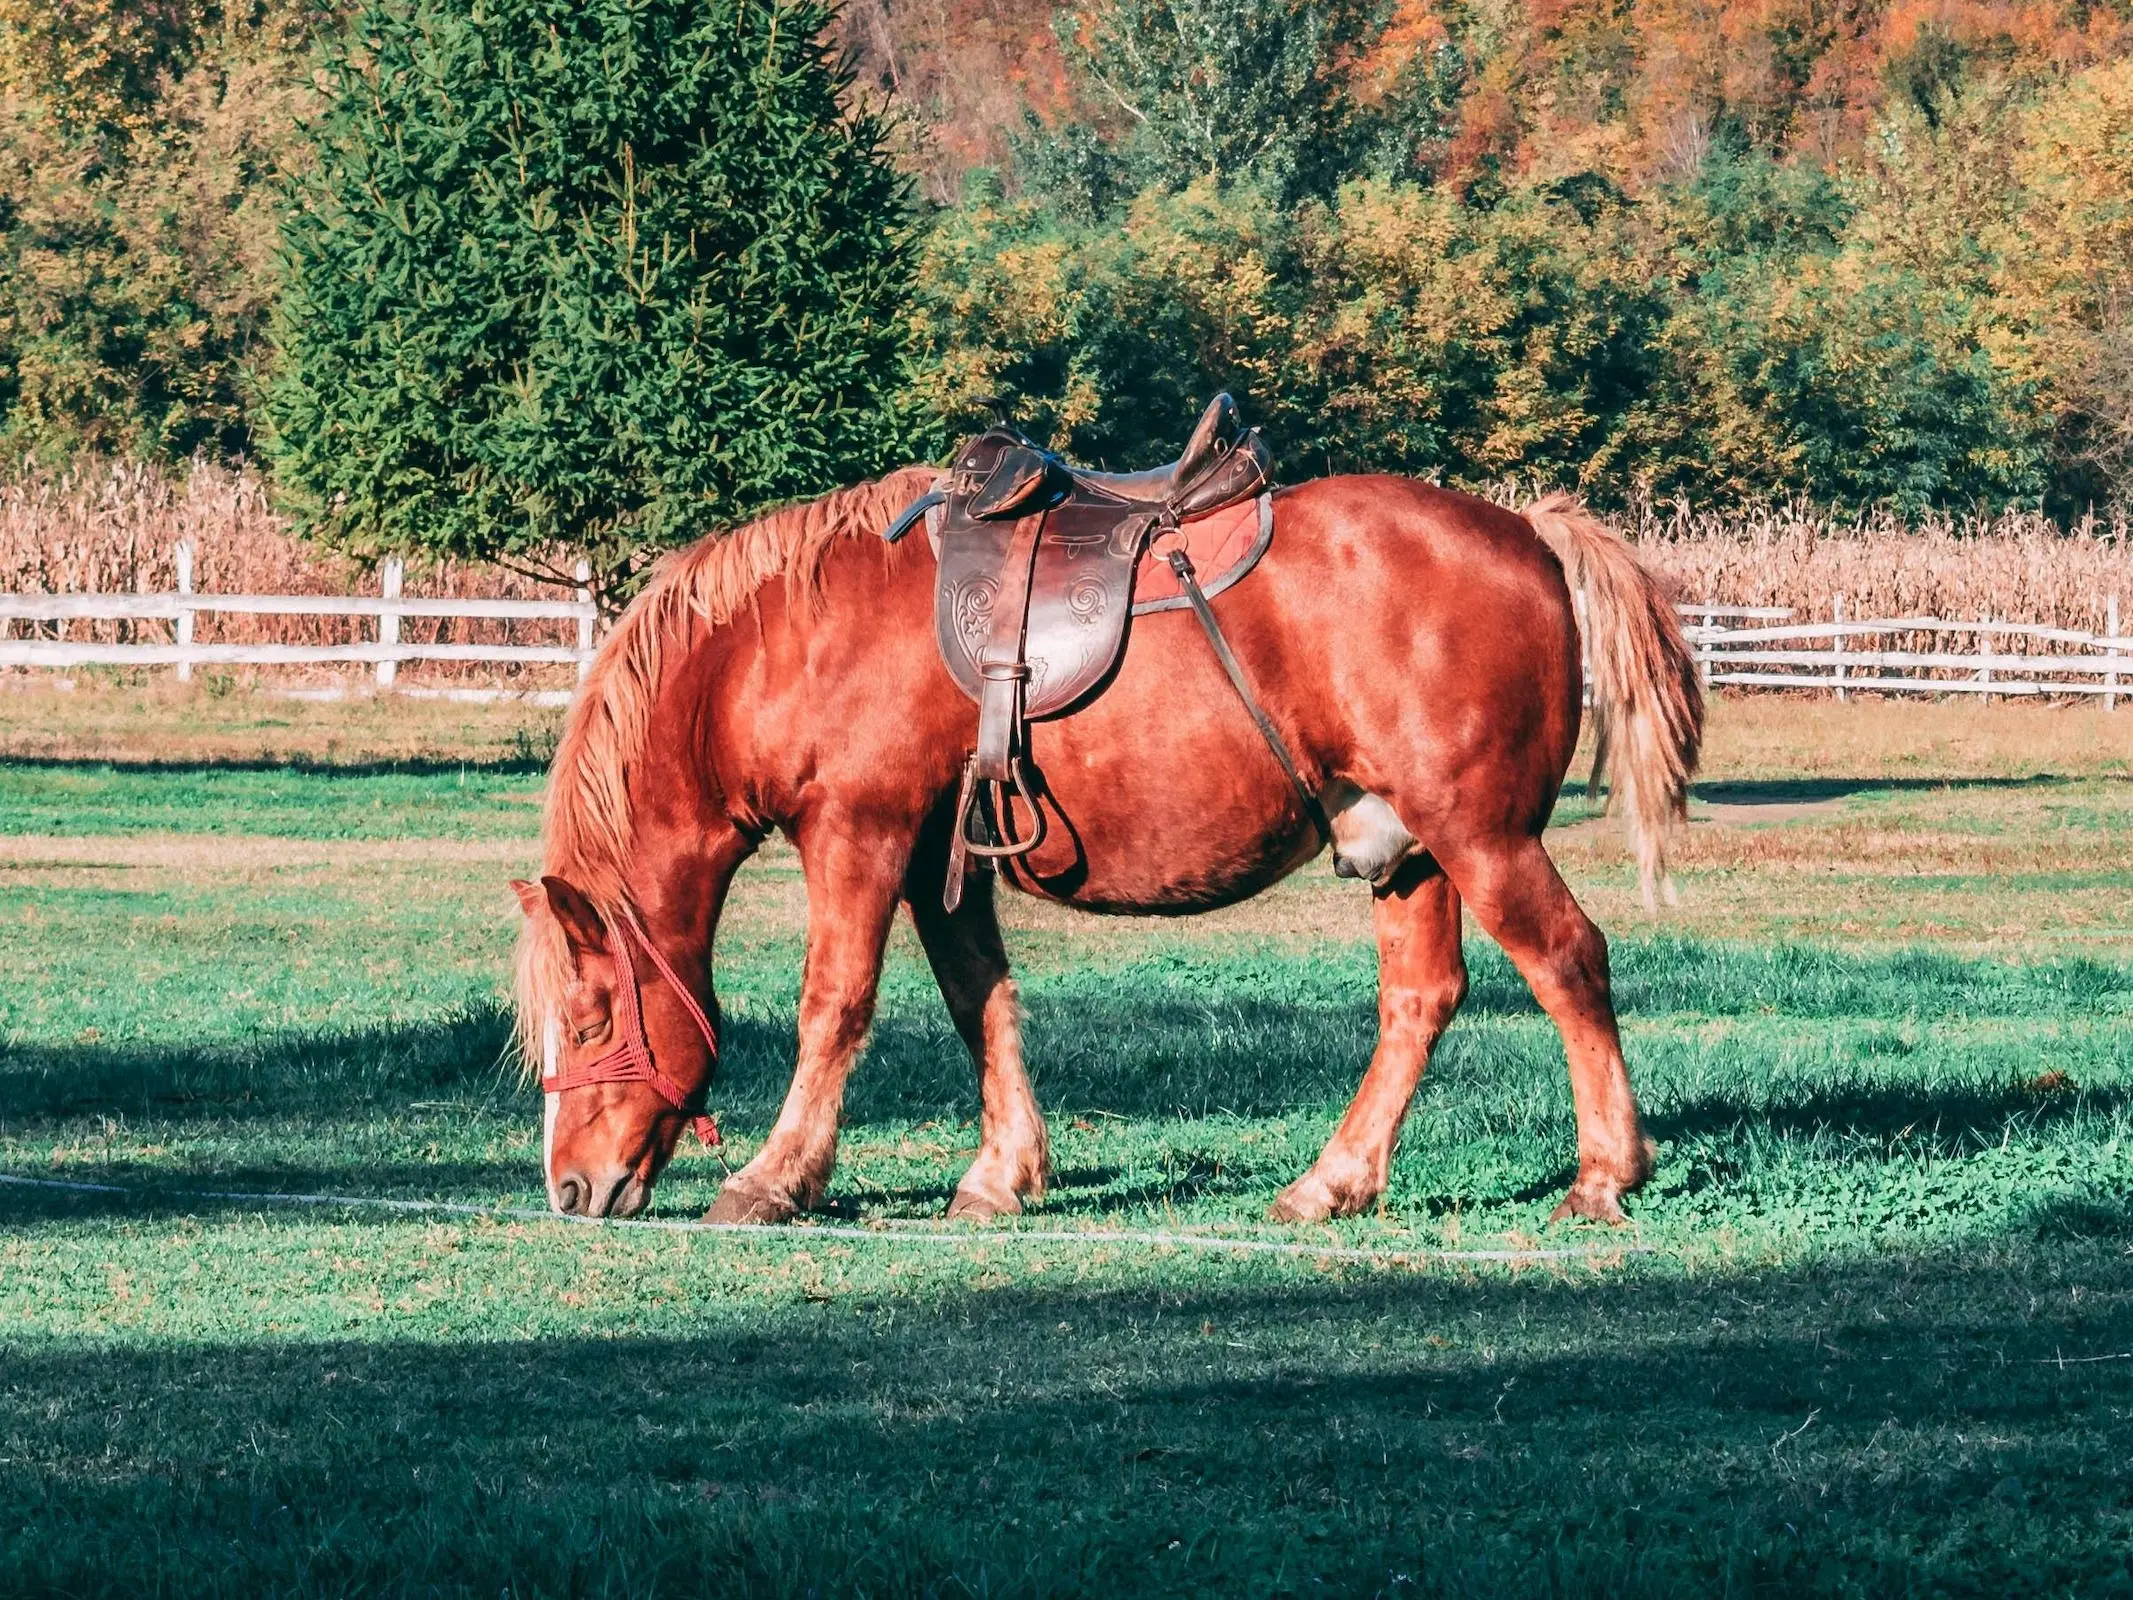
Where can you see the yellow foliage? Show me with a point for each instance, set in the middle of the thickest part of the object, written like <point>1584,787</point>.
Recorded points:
<point>2075,245</point>
<point>95,63</point>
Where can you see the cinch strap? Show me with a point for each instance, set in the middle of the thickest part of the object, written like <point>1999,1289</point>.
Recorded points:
<point>1189,581</point>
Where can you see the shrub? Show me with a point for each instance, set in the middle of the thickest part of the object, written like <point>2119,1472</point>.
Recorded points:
<point>1395,328</point>
<point>138,218</point>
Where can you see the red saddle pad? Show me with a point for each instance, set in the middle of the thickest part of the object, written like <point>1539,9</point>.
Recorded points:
<point>1222,547</point>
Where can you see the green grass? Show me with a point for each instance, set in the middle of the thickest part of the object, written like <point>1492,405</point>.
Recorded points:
<point>1883,1341</point>
<point>72,799</point>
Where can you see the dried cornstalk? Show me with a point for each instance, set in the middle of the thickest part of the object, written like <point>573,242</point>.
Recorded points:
<point>2013,567</point>
<point>110,527</point>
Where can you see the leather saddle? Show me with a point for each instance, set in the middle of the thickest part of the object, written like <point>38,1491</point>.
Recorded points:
<point>1037,565</point>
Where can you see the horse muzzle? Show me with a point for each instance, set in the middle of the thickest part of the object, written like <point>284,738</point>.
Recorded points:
<point>619,1193</point>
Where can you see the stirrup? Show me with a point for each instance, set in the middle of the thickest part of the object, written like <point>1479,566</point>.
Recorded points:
<point>1016,782</point>
<point>962,846</point>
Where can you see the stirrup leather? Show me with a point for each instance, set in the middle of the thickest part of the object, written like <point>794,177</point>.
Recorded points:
<point>996,763</point>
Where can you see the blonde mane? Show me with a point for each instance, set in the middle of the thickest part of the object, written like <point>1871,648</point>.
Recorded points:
<point>586,830</point>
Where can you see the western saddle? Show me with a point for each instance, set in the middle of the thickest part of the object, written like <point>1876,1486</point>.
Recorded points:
<point>1037,566</point>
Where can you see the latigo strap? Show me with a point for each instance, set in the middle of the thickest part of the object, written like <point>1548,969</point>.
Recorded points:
<point>1189,581</point>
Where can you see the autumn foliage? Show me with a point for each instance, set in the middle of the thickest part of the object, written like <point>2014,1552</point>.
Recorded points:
<point>1733,252</point>
<point>1710,251</point>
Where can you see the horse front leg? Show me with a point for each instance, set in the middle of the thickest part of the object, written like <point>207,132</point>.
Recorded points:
<point>1421,981</point>
<point>970,963</point>
<point>853,881</point>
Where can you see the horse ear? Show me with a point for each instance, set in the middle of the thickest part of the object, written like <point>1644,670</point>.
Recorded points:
<point>532,898</point>
<point>580,918</point>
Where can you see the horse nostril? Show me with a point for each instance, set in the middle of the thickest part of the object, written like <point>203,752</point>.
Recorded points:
<point>631,1199</point>
<point>605,1205</point>
<point>570,1194</point>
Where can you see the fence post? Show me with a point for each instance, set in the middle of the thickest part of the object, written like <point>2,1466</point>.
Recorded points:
<point>389,621</point>
<point>1837,611</point>
<point>183,555</point>
<point>1704,646</point>
<point>2110,679</point>
<point>1984,650</point>
<point>583,573</point>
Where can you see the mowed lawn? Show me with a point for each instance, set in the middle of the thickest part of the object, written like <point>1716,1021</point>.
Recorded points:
<point>1870,1331</point>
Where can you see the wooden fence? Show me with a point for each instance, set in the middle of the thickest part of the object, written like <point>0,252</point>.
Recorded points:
<point>1761,647</point>
<point>383,655</point>
<point>1758,647</point>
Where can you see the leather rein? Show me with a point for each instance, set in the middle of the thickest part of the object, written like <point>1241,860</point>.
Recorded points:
<point>630,1061</point>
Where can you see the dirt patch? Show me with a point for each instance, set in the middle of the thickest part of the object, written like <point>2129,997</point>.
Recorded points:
<point>1756,813</point>
<point>242,852</point>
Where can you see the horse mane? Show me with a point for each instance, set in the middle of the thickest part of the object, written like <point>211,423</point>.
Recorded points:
<point>586,832</point>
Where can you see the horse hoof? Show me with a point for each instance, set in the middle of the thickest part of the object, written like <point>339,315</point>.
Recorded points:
<point>1302,1201</point>
<point>1315,1197</point>
<point>1590,1205</point>
<point>970,1206</point>
<point>740,1205</point>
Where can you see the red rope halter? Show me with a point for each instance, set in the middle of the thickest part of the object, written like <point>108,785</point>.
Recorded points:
<point>631,1059</point>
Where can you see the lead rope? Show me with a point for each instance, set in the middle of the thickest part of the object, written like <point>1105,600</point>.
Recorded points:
<point>703,1123</point>
<point>1188,580</point>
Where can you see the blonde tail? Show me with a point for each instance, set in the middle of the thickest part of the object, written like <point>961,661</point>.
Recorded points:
<point>1645,692</point>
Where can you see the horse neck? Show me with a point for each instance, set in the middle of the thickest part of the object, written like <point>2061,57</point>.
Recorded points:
<point>684,848</point>
<point>689,834</point>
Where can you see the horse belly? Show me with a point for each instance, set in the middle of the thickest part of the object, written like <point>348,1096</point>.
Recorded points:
<point>1160,795</point>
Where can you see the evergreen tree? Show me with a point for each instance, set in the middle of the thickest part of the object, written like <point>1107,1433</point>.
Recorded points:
<point>585,275</point>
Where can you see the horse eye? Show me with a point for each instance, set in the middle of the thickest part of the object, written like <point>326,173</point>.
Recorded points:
<point>588,1015</point>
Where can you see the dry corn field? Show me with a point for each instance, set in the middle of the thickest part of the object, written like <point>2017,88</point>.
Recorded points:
<point>111,528</point>
<point>2014,567</point>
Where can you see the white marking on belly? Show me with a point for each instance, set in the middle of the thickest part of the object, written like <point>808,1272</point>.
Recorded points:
<point>1369,839</point>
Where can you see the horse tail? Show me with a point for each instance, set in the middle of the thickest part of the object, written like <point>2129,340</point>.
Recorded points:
<point>1647,702</point>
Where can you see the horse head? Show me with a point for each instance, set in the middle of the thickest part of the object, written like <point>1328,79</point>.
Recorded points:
<point>628,1055</point>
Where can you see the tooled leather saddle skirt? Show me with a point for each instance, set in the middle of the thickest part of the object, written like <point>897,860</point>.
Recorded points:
<point>1041,566</point>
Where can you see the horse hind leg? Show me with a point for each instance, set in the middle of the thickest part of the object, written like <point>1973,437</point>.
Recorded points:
<point>1421,981</point>
<point>970,964</point>
<point>1522,902</point>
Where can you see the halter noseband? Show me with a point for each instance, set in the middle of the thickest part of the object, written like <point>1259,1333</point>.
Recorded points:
<point>630,1061</point>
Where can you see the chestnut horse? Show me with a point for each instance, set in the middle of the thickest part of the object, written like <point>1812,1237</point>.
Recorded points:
<point>1417,649</point>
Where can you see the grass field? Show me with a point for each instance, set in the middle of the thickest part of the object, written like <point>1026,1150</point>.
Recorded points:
<point>1871,1329</point>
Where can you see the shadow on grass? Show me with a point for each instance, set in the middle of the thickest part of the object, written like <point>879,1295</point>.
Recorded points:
<point>296,1073</point>
<point>1253,1041</point>
<point>1798,791</point>
<point>1940,1423</point>
<point>1943,1122</point>
<point>158,1194</point>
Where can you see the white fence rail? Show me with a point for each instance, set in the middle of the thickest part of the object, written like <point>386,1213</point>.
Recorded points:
<point>383,656</point>
<point>1757,647</point>
<point>1760,647</point>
